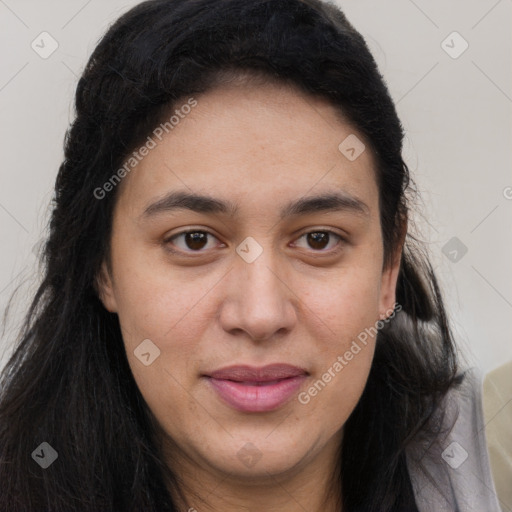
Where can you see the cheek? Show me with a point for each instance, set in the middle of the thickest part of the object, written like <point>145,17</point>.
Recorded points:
<point>329,401</point>
<point>341,370</point>
<point>167,310</point>
<point>346,302</point>
<point>153,313</point>
<point>156,300</point>
<point>346,311</point>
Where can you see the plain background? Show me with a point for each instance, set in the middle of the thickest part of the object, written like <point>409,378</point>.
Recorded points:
<point>456,112</point>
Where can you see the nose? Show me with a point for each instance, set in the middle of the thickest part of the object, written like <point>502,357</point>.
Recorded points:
<point>259,300</point>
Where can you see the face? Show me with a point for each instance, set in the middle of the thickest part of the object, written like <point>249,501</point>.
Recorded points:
<point>265,275</point>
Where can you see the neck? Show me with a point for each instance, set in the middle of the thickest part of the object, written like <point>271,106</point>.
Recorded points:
<point>307,486</point>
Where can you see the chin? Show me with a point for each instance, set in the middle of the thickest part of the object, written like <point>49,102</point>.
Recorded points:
<point>259,456</point>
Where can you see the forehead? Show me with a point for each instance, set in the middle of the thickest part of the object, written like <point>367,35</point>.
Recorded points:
<point>259,143</point>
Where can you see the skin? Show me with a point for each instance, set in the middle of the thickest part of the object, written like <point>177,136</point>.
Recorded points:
<point>303,304</point>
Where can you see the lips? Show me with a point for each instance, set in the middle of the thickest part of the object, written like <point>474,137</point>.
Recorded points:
<point>267,373</point>
<point>252,389</point>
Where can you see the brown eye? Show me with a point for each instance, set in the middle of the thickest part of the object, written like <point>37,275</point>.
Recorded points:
<point>192,240</point>
<point>319,240</point>
<point>196,240</point>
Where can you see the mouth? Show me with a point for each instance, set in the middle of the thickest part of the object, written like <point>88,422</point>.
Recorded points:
<point>251,389</point>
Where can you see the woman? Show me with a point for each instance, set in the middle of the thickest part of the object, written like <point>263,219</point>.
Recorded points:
<point>233,315</point>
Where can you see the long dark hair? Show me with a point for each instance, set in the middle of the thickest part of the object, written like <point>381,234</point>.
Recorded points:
<point>68,382</point>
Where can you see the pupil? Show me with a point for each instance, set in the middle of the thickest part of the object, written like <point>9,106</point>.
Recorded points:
<point>315,239</point>
<point>195,240</point>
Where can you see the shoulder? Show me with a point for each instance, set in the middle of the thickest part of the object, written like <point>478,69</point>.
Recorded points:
<point>497,402</point>
<point>497,387</point>
<point>448,462</point>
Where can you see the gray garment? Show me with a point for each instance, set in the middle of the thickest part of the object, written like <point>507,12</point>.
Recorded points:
<point>452,473</point>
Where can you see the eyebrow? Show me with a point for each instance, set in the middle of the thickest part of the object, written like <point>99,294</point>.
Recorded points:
<point>331,201</point>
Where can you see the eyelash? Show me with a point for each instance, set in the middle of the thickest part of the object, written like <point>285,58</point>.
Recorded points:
<point>339,245</point>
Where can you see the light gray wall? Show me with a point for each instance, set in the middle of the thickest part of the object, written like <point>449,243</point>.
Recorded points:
<point>456,112</point>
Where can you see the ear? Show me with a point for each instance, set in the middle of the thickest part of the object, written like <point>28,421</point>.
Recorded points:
<point>389,281</point>
<point>105,289</point>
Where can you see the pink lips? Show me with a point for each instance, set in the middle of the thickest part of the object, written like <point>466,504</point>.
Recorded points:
<point>251,389</point>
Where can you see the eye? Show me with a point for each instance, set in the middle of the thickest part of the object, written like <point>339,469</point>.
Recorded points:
<point>318,240</point>
<point>194,240</point>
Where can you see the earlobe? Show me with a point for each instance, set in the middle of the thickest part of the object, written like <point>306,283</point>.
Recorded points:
<point>104,288</point>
